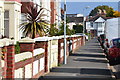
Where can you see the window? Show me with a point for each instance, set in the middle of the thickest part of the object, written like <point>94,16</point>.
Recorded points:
<point>91,24</point>
<point>6,23</point>
<point>100,31</point>
<point>99,24</point>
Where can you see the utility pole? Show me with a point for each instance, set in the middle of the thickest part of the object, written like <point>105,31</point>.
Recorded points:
<point>84,18</point>
<point>65,56</point>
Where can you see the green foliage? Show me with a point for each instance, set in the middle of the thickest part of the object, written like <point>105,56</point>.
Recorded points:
<point>57,32</point>
<point>35,24</point>
<point>68,31</point>
<point>109,10</point>
<point>17,48</point>
<point>53,30</point>
<point>78,28</point>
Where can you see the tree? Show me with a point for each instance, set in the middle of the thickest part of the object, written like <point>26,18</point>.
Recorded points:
<point>78,28</point>
<point>53,30</point>
<point>116,14</point>
<point>35,24</point>
<point>106,9</point>
<point>68,31</point>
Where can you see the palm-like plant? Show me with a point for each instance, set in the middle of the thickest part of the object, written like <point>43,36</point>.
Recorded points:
<point>35,24</point>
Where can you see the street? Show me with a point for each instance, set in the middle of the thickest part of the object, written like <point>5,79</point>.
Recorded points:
<point>87,63</point>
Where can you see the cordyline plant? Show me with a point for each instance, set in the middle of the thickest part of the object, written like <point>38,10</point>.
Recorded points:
<point>35,24</point>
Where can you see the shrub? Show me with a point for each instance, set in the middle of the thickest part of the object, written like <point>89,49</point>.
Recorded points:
<point>17,48</point>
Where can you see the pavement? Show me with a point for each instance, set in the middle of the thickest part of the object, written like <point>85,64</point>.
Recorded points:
<point>86,63</point>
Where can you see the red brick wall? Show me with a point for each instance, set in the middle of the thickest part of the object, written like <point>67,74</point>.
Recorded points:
<point>0,64</point>
<point>4,50</point>
<point>60,47</point>
<point>9,53</point>
<point>10,61</point>
<point>53,11</point>
<point>44,45</point>
<point>24,47</point>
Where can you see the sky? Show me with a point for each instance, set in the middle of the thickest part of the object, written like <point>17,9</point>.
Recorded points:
<point>79,7</point>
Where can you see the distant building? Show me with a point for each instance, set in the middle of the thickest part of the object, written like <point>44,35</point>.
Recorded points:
<point>74,15</point>
<point>74,19</point>
<point>96,25</point>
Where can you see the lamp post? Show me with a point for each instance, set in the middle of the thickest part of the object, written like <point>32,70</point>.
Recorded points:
<point>84,18</point>
<point>65,57</point>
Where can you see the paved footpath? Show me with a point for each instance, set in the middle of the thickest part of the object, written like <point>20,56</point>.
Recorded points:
<point>87,63</point>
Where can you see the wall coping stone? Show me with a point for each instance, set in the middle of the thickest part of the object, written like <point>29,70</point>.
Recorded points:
<point>5,41</point>
<point>1,43</point>
<point>45,38</point>
<point>26,40</point>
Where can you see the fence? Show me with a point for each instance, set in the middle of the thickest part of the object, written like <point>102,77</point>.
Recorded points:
<point>37,56</point>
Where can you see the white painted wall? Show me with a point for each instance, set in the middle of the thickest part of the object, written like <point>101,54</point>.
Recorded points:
<point>96,26</point>
<point>2,17</point>
<point>14,18</point>
<point>112,28</point>
<point>71,25</point>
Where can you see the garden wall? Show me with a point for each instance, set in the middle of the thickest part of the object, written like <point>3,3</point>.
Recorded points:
<point>37,56</point>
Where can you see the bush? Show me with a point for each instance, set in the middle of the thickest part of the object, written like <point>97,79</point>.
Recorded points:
<point>53,30</point>
<point>78,28</point>
<point>68,31</point>
<point>17,48</point>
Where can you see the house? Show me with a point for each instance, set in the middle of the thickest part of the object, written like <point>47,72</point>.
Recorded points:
<point>12,14</point>
<point>9,18</point>
<point>96,25</point>
<point>55,6</point>
<point>74,19</point>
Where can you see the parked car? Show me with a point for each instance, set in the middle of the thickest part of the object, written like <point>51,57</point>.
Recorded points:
<point>101,39</point>
<point>113,54</point>
<point>106,46</point>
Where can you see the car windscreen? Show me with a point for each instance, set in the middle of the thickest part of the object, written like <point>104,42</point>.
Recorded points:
<point>116,42</point>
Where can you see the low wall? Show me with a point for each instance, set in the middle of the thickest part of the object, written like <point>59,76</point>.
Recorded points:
<point>37,56</point>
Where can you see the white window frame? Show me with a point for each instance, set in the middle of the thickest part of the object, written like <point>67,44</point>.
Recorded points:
<point>7,19</point>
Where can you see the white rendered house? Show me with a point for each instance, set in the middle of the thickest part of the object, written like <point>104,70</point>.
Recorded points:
<point>9,18</point>
<point>96,25</point>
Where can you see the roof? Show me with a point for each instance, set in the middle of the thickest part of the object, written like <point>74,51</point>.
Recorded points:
<point>75,19</point>
<point>97,16</point>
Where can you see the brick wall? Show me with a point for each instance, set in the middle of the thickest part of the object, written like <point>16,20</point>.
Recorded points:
<point>44,45</point>
<point>0,64</point>
<point>60,48</point>
<point>4,51</point>
<point>10,61</point>
<point>34,65</point>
